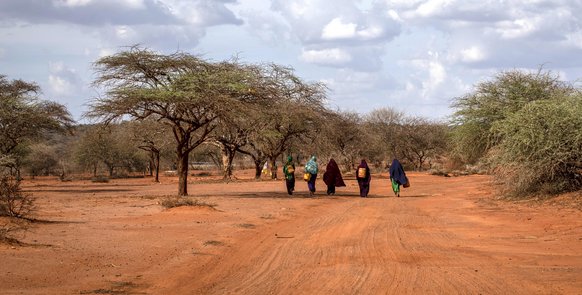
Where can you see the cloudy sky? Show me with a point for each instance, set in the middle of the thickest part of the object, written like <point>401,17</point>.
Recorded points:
<point>411,55</point>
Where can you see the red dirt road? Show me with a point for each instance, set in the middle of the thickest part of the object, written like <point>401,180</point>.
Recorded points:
<point>443,236</point>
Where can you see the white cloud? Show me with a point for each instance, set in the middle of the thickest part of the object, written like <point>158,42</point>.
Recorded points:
<point>59,85</point>
<point>71,3</point>
<point>125,33</point>
<point>371,51</point>
<point>437,75</point>
<point>518,28</point>
<point>472,54</point>
<point>336,29</point>
<point>393,14</point>
<point>63,81</point>
<point>371,32</point>
<point>135,4</point>
<point>573,39</point>
<point>433,7</point>
<point>332,56</point>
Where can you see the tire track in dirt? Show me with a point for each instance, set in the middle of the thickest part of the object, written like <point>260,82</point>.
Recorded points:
<point>348,245</point>
<point>353,246</point>
<point>444,236</point>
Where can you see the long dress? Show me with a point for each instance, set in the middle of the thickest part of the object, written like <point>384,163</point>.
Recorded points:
<point>333,177</point>
<point>312,168</point>
<point>364,180</point>
<point>289,171</point>
<point>397,176</point>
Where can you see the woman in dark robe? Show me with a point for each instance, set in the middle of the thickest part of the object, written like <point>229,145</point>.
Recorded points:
<point>397,176</point>
<point>364,178</point>
<point>289,171</point>
<point>332,177</point>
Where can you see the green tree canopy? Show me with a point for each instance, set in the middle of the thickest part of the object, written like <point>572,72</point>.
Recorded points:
<point>24,117</point>
<point>495,100</point>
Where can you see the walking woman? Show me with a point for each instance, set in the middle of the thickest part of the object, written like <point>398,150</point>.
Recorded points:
<point>364,178</point>
<point>397,177</point>
<point>311,168</point>
<point>332,177</point>
<point>289,171</point>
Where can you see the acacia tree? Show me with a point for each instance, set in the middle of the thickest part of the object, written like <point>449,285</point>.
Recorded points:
<point>292,113</point>
<point>343,137</point>
<point>235,129</point>
<point>385,125</point>
<point>230,137</point>
<point>24,117</point>
<point>106,144</point>
<point>153,138</point>
<point>424,140</point>
<point>183,91</point>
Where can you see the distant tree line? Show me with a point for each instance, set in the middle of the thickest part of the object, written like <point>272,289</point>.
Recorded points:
<point>165,111</point>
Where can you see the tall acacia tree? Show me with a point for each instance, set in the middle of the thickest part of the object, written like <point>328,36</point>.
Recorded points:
<point>184,91</point>
<point>293,110</point>
<point>24,117</point>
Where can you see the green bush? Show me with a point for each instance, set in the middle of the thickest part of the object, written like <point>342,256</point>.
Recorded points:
<point>494,101</point>
<point>541,151</point>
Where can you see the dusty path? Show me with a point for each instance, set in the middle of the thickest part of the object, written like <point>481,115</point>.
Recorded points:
<point>444,236</point>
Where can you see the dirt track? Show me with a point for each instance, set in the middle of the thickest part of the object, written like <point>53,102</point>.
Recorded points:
<point>443,236</point>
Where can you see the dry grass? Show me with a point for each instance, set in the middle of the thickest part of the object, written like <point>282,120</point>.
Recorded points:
<point>172,202</point>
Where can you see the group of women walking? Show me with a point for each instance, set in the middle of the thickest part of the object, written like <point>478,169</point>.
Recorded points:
<point>333,177</point>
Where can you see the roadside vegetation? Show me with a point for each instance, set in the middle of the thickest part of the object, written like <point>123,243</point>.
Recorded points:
<point>162,112</point>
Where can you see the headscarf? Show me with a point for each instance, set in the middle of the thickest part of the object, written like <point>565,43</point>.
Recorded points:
<point>364,165</point>
<point>311,166</point>
<point>397,172</point>
<point>333,174</point>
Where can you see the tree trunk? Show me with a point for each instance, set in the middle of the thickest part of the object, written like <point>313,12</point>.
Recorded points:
<point>227,159</point>
<point>152,164</point>
<point>273,163</point>
<point>258,168</point>
<point>157,167</point>
<point>183,174</point>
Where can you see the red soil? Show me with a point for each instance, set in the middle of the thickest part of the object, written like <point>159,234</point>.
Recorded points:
<point>442,236</point>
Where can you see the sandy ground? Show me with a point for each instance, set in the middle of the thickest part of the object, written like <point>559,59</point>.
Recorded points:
<point>442,236</point>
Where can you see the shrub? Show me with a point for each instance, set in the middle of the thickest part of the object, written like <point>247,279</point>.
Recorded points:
<point>542,147</point>
<point>172,202</point>
<point>494,101</point>
<point>14,203</point>
<point>15,208</point>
